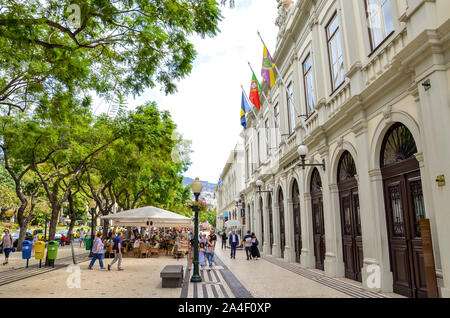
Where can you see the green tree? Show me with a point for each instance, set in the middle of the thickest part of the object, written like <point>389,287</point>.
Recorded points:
<point>115,47</point>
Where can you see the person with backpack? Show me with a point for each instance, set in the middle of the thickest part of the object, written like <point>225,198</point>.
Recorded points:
<point>248,242</point>
<point>7,244</point>
<point>255,250</point>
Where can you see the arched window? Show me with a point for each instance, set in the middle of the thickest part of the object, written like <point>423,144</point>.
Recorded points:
<point>398,145</point>
<point>347,167</point>
<point>316,182</point>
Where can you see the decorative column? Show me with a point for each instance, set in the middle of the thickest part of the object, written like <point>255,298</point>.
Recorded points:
<point>373,216</point>
<point>289,249</point>
<point>276,251</point>
<point>266,247</point>
<point>338,269</point>
<point>307,256</point>
<point>333,265</point>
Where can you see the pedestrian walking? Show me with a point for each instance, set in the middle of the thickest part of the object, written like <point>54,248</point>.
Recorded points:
<point>248,245</point>
<point>213,238</point>
<point>63,240</point>
<point>224,239</point>
<point>202,255</point>
<point>234,241</point>
<point>255,250</point>
<point>203,239</point>
<point>7,244</point>
<point>35,239</point>
<point>210,252</point>
<point>97,250</point>
<point>118,252</point>
<point>82,237</point>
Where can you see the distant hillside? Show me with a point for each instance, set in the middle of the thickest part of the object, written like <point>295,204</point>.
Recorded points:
<point>207,186</point>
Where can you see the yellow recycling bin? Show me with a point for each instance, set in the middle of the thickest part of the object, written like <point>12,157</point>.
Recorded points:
<point>39,250</point>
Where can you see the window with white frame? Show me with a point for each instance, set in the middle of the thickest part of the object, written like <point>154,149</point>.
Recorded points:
<point>276,114</point>
<point>309,85</point>
<point>247,161</point>
<point>291,110</point>
<point>268,146</point>
<point>335,52</point>
<point>380,21</point>
<point>259,148</point>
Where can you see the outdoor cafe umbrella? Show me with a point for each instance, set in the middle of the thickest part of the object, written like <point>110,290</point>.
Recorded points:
<point>148,216</point>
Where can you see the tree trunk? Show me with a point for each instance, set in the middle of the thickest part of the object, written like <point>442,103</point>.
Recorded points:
<point>105,228</point>
<point>53,221</point>
<point>69,233</point>
<point>23,224</point>
<point>72,219</point>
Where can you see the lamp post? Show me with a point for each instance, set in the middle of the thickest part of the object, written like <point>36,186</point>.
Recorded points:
<point>93,205</point>
<point>303,151</point>
<point>197,187</point>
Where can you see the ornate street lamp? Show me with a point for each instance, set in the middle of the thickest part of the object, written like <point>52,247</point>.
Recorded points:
<point>197,187</point>
<point>92,206</point>
<point>303,151</point>
<point>259,184</point>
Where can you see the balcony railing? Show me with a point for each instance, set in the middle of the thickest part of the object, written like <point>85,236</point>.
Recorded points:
<point>382,60</point>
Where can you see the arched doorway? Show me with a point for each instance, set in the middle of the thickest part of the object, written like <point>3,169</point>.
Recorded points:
<point>350,217</point>
<point>297,225</point>
<point>317,217</point>
<point>261,209</point>
<point>282,228</point>
<point>270,221</point>
<point>404,208</point>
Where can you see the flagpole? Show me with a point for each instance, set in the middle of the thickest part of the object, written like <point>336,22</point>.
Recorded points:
<point>264,95</point>
<point>287,91</point>
<point>248,100</point>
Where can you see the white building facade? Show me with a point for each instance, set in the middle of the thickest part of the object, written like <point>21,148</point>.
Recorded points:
<point>369,84</point>
<point>230,200</point>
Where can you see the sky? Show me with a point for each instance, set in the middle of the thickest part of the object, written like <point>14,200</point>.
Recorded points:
<point>207,106</point>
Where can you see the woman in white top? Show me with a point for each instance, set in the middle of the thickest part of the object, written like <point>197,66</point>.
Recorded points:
<point>137,243</point>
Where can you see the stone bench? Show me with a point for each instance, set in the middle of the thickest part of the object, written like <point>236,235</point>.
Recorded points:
<point>172,276</point>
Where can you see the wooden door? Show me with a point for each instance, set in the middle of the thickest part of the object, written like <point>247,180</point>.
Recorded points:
<point>297,224</point>
<point>270,222</point>
<point>318,219</point>
<point>282,226</point>
<point>404,209</point>
<point>262,220</point>
<point>350,217</point>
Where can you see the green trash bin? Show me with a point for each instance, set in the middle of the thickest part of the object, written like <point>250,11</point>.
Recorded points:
<point>52,250</point>
<point>88,243</point>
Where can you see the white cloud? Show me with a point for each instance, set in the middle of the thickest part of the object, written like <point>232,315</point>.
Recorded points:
<point>206,107</point>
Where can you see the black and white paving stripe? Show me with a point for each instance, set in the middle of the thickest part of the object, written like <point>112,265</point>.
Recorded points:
<point>343,287</point>
<point>219,282</point>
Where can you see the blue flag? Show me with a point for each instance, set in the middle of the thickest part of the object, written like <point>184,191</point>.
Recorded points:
<point>245,108</point>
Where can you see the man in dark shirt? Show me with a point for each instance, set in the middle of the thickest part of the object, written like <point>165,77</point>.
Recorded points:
<point>224,239</point>
<point>248,245</point>
<point>213,237</point>
<point>118,252</point>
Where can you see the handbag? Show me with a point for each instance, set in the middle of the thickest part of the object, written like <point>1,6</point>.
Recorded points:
<point>210,250</point>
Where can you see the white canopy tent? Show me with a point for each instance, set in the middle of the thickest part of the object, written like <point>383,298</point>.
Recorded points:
<point>148,216</point>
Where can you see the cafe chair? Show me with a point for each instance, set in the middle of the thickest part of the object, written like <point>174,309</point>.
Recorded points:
<point>143,250</point>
